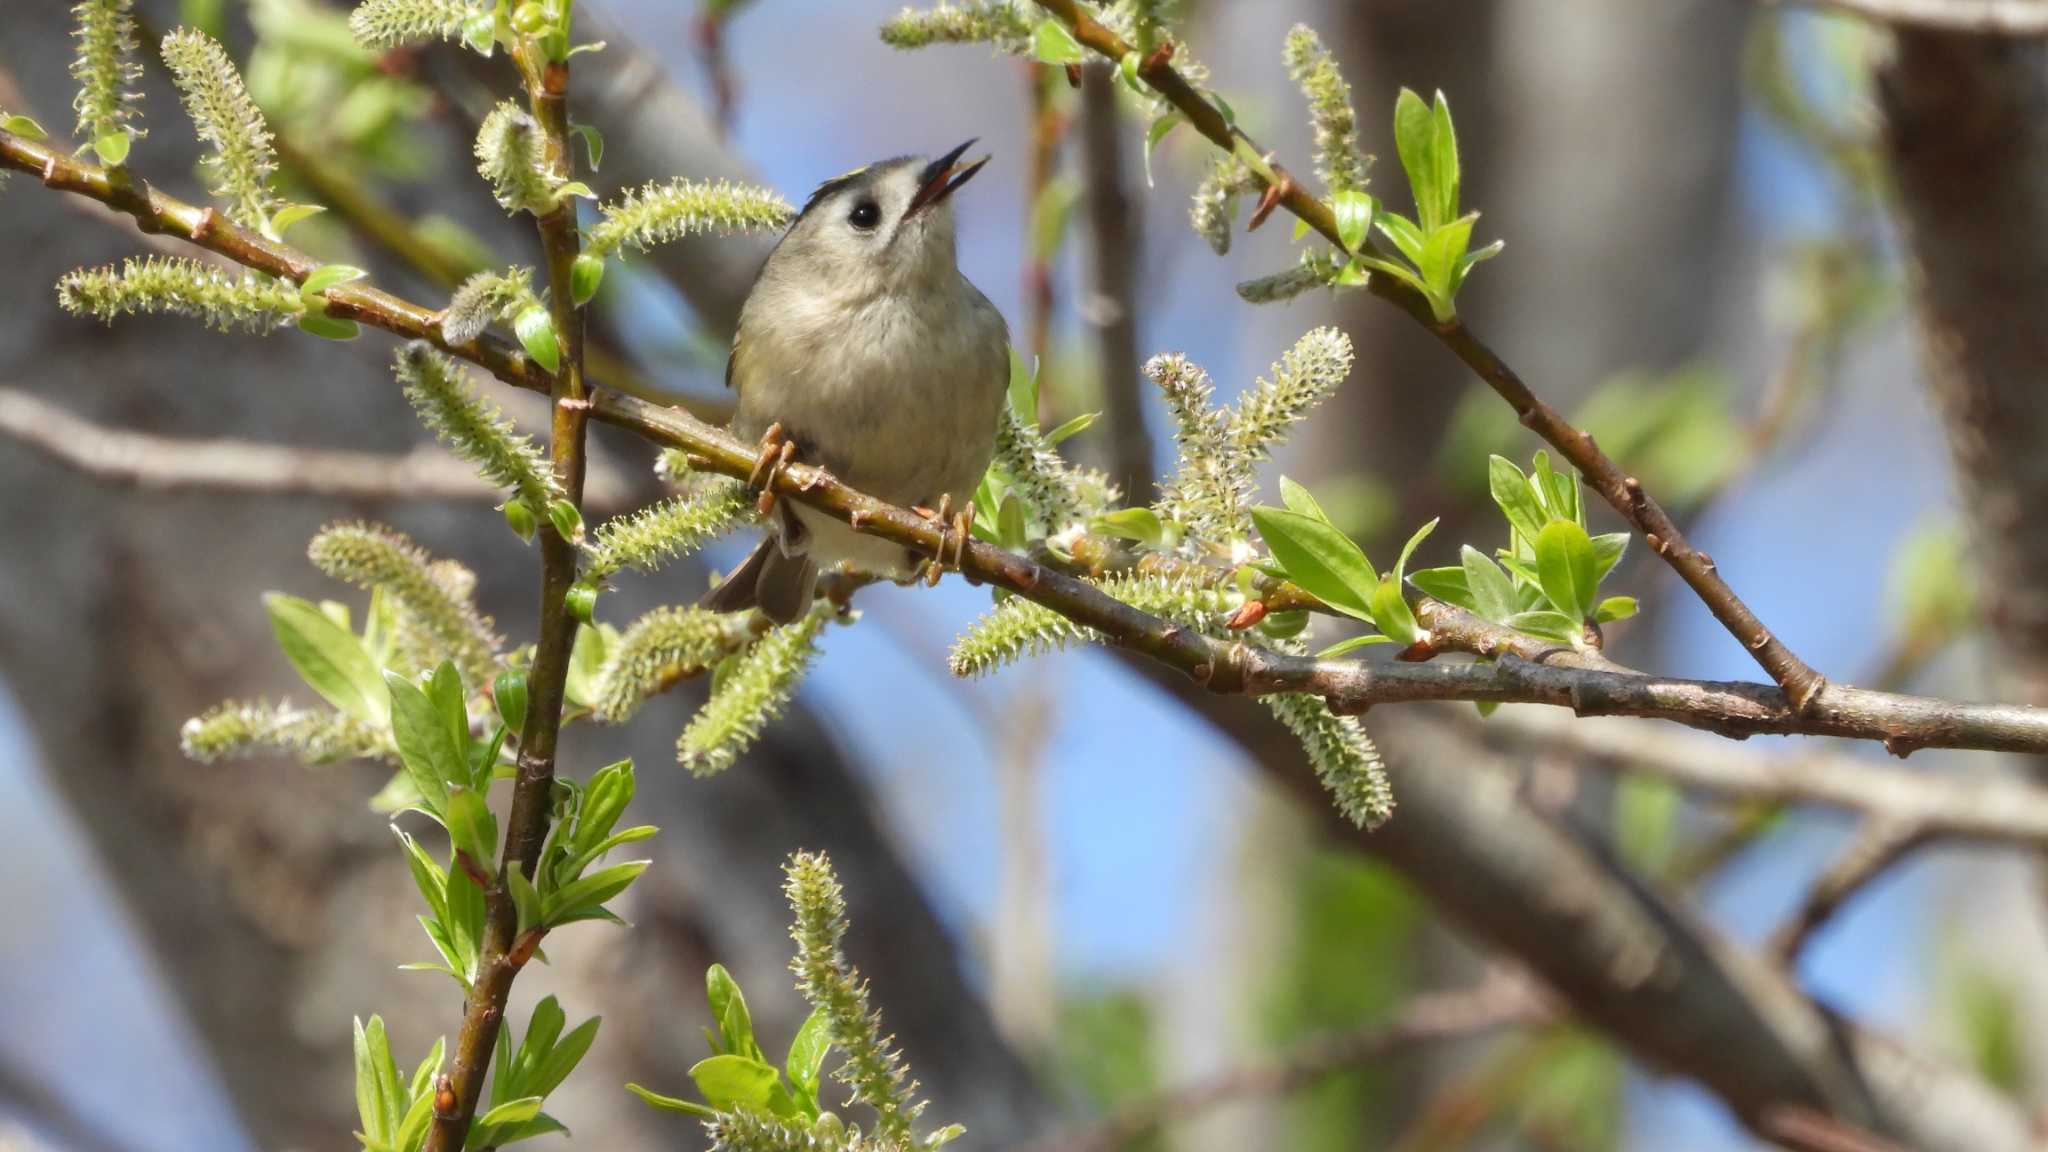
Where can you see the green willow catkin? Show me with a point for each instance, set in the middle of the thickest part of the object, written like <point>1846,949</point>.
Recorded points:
<point>226,118</point>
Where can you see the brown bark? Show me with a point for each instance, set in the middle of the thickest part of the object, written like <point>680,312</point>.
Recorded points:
<point>1966,128</point>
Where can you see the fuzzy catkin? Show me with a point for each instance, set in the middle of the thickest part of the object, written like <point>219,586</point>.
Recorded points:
<point>227,118</point>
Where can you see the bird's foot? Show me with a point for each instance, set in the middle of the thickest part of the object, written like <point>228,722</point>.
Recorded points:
<point>955,529</point>
<point>777,450</point>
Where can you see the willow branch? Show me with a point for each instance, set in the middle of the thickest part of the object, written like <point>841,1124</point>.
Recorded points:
<point>2016,18</point>
<point>1431,1018</point>
<point>1878,845</point>
<point>526,827</point>
<point>1622,491</point>
<point>1528,670</point>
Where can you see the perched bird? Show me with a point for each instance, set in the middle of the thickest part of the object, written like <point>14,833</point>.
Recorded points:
<point>863,350</point>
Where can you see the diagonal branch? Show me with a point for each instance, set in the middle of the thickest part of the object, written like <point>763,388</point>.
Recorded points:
<point>2016,18</point>
<point>1622,491</point>
<point>526,826</point>
<point>1878,845</point>
<point>1902,723</point>
<point>1496,1003</point>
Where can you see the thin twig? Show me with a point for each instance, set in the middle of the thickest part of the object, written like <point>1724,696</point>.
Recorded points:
<point>1878,845</point>
<point>2017,18</point>
<point>1494,1004</point>
<point>1561,678</point>
<point>1621,490</point>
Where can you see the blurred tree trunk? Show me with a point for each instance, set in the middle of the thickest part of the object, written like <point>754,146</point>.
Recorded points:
<point>273,900</point>
<point>1966,129</point>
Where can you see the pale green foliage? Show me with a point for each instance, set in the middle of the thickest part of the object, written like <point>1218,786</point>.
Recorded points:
<point>511,152</point>
<point>474,428</point>
<point>1058,494</point>
<point>220,107</point>
<point>434,602</point>
<point>225,301</point>
<point>259,727</point>
<point>873,1069</point>
<point>1211,490</point>
<point>1344,757</point>
<point>106,68</point>
<point>1214,209</point>
<point>1004,25</point>
<point>1339,162</point>
<point>661,213</point>
<point>1018,628</point>
<point>485,297</point>
<point>679,525</point>
<point>1314,270</point>
<point>666,645</point>
<point>750,691</point>
<point>387,24</point>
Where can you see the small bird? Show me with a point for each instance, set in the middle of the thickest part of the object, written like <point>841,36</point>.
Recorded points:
<point>863,350</point>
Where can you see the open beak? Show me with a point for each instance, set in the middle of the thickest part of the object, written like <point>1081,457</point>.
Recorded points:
<point>943,177</point>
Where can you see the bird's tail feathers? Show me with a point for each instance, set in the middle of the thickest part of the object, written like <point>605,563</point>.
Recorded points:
<point>780,585</point>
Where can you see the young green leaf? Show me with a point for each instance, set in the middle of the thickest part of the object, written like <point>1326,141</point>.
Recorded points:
<point>329,658</point>
<point>1567,568</point>
<point>729,1012</point>
<point>807,1054</point>
<point>1414,141</point>
<point>1391,613</point>
<point>1408,549</point>
<point>1549,625</point>
<point>575,900</point>
<point>1354,211</point>
<point>1299,499</point>
<point>1404,233</point>
<point>1615,608</point>
<point>378,1103</point>
<point>471,826</point>
<point>729,1081</point>
<point>431,756</point>
<point>1493,595</point>
<point>1352,644</point>
<point>1449,585</point>
<point>512,1112</point>
<point>1517,500</point>
<point>550,1070</point>
<point>1051,43</point>
<point>1139,524</point>
<point>1321,559</point>
<point>536,330</point>
<point>1607,552</point>
<point>670,1103</point>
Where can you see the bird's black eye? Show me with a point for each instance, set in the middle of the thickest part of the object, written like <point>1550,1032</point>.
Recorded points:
<point>865,215</point>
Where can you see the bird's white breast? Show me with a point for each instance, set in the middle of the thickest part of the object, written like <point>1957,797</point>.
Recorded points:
<point>896,393</point>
